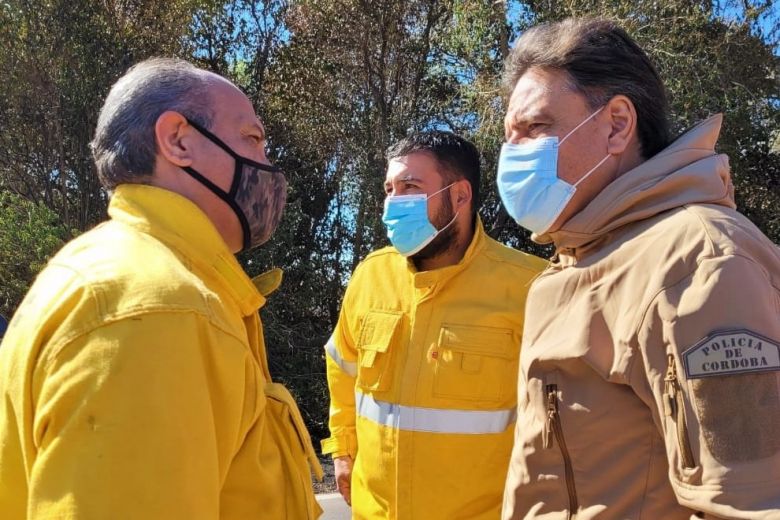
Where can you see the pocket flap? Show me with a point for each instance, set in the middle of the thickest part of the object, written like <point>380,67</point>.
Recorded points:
<point>486,341</point>
<point>378,329</point>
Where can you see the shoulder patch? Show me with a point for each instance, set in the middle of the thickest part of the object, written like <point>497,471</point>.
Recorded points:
<point>731,352</point>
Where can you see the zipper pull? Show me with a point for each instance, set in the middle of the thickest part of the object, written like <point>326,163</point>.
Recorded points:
<point>674,406</point>
<point>552,412</point>
<point>670,386</point>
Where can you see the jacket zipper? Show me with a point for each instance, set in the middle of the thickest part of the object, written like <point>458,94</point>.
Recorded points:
<point>555,428</point>
<point>675,407</point>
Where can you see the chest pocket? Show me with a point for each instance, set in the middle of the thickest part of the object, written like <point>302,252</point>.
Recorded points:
<point>375,349</point>
<point>475,364</point>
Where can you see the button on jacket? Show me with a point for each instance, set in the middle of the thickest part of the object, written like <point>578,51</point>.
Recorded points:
<point>422,370</point>
<point>649,384</point>
<point>134,382</point>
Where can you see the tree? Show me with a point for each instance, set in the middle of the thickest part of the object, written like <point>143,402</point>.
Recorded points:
<point>58,60</point>
<point>30,233</point>
<point>336,82</point>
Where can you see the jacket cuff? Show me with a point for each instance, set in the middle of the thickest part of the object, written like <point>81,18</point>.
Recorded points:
<point>340,446</point>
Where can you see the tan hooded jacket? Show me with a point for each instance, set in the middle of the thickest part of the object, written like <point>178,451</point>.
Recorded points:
<point>649,380</point>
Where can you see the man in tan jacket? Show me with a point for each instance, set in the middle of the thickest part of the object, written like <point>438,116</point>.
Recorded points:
<point>650,366</point>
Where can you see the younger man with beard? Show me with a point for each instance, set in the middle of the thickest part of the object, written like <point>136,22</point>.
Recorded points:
<point>422,365</point>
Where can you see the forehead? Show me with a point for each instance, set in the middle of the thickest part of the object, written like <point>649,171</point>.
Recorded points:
<point>541,90</point>
<point>421,166</point>
<point>232,107</point>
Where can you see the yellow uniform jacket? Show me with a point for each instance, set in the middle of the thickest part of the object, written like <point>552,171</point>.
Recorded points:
<point>422,370</point>
<point>134,382</point>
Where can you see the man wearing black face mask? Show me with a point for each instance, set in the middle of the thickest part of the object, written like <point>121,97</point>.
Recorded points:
<point>133,377</point>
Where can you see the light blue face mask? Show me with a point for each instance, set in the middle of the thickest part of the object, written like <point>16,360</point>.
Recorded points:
<point>408,227</point>
<point>528,181</point>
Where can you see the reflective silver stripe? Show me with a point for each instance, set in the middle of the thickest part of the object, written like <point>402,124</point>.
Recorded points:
<point>347,366</point>
<point>434,420</point>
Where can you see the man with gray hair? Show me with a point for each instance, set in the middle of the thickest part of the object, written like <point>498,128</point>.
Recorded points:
<point>133,377</point>
<point>650,365</point>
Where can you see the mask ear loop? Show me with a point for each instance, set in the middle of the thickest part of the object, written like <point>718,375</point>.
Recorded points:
<point>577,128</point>
<point>419,194</point>
<point>454,218</point>
<point>579,125</point>
<point>237,159</point>
<point>229,196</point>
<point>450,185</point>
<point>592,170</point>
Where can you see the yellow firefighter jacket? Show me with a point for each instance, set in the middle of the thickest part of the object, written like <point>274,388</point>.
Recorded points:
<point>650,375</point>
<point>134,381</point>
<point>422,369</point>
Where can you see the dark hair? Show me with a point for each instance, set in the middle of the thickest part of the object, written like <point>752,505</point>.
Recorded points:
<point>124,146</point>
<point>457,158</point>
<point>602,61</point>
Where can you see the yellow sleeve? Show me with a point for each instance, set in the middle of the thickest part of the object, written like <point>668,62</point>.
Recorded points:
<point>711,349</point>
<point>341,367</point>
<point>127,422</point>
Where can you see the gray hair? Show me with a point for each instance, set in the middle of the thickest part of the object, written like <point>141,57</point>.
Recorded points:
<point>124,146</point>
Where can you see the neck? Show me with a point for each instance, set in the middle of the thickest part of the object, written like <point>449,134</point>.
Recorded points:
<point>219,213</point>
<point>453,254</point>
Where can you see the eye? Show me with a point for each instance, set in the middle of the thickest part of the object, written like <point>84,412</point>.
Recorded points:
<point>534,128</point>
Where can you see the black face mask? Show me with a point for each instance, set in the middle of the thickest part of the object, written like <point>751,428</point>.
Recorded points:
<point>257,194</point>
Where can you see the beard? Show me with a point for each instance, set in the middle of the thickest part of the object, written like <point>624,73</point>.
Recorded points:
<point>445,240</point>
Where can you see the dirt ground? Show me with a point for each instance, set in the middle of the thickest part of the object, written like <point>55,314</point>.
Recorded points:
<point>328,485</point>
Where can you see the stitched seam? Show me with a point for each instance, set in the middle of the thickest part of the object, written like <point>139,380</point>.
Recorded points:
<point>772,484</point>
<point>683,278</point>
<point>529,270</point>
<point>643,316</point>
<point>653,435</point>
<point>61,345</point>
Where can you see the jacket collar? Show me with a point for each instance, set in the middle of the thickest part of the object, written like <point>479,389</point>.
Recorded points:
<point>427,279</point>
<point>180,224</point>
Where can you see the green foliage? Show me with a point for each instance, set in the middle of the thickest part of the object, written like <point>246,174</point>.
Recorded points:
<point>58,59</point>
<point>336,82</point>
<point>30,234</point>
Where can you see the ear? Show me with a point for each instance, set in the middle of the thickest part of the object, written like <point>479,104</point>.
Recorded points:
<point>174,138</point>
<point>621,115</point>
<point>462,193</point>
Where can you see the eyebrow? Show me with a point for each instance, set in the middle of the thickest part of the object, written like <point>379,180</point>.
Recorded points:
<point>255,125</point>
<point>407,178</point>
<point>523,119</point>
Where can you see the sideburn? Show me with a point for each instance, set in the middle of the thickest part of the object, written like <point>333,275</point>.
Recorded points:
<point>445,240</point>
